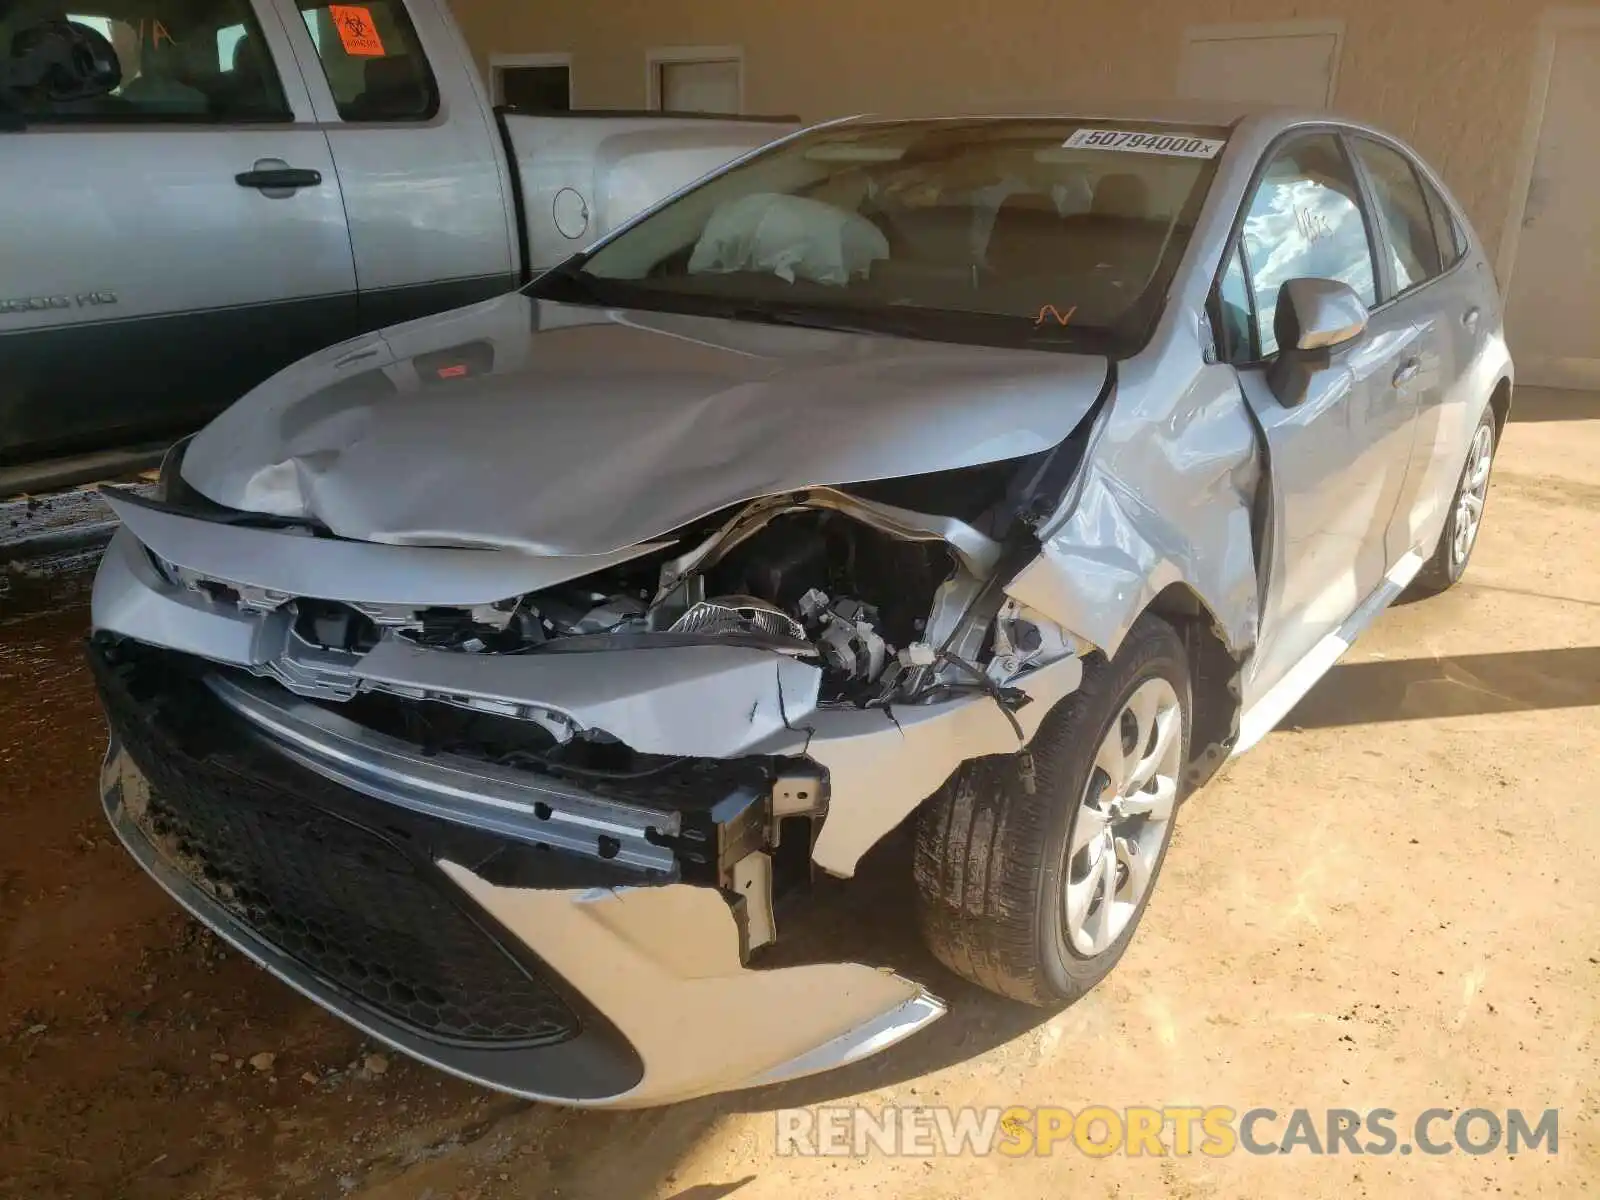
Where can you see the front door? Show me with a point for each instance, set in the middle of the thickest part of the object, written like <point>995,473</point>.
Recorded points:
<point>1339,457</point>
<point>158,262</point>
<point>1553,311</point>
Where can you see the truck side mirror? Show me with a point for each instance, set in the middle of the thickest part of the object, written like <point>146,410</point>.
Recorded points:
<point>1314,318</point>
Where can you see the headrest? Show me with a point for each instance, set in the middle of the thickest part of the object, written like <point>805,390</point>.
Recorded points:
<point>394,73</point>
<point>1126,196</point>
<point>249,60</point>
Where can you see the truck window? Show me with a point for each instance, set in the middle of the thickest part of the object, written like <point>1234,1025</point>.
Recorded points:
<point>373,60</point>
<point>183,61</point>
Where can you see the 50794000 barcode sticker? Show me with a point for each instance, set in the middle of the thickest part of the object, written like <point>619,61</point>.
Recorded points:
<point>1136,141</point>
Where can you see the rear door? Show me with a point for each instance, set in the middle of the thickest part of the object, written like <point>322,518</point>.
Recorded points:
<point>1453,305</point>
<point>1338,458</point>
<point>152,271</point>
<point>1441,308</point>
<point>431,217</point>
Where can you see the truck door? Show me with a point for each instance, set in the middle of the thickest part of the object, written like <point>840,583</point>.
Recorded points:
<point>171,244</point>
<point>432,219</point>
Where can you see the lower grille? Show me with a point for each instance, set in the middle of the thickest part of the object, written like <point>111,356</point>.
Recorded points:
<point>347,889</point>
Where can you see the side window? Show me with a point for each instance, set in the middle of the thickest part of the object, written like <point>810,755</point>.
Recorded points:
<point>200,62</point>
<point>1397,193</point>
<point>373,60</point>
<point>1447,233</point>
<point>1305,220</point>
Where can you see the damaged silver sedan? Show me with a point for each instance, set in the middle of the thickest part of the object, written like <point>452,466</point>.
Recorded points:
<point>489,679</point>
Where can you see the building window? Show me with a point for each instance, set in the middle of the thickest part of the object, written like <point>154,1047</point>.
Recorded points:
<point>532,83</point>
<point>697,80</point>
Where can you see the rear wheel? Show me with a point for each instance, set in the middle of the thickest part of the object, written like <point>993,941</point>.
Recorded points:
<point>1035,895</point>
<point>1454,551</point>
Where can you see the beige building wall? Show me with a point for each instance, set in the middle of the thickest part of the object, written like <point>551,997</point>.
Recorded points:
<point>1451,76</point>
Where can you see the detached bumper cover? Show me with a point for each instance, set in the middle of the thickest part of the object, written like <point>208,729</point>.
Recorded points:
<point>548,974</point>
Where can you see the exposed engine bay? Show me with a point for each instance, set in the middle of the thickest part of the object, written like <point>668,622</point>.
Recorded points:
<point>814,583</point>
<point>889,611</point>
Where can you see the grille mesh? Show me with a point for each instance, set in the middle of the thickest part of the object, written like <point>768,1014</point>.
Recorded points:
<point>350,901</point>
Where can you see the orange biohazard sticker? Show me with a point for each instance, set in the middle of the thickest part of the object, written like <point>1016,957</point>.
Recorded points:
<point>357,30</point>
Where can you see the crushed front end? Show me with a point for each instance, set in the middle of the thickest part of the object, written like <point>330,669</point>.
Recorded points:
<point>528,818</point>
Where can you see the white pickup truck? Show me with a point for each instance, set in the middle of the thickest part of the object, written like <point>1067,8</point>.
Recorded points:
<point>196,193</point>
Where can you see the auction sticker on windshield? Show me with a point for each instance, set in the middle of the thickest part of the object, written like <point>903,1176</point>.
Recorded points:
<point>1145,142</point>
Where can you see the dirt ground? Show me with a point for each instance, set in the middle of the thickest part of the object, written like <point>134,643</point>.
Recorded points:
<point>1392,903</point>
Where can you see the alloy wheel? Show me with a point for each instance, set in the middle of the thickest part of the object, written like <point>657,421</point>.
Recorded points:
<point>1474,493</point>
<point>1124,818</point>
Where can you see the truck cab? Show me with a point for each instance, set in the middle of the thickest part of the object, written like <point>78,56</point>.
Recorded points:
<point>266,178</point>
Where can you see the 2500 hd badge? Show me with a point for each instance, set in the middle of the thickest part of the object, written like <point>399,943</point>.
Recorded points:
<point>25,304</point>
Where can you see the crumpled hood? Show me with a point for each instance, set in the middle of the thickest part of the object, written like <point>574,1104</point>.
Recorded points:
<point>563,430</point>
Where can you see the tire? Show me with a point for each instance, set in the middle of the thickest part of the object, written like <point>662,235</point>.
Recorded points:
<point>1449,561</point>
<point>991,860</point>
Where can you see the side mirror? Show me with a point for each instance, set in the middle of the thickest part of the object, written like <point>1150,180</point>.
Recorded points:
<point>1314,317</point>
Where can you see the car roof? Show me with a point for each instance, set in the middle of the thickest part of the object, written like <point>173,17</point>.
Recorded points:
<point>1222,113</point>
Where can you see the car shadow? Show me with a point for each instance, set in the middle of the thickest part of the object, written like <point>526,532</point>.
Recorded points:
<point>711,1191</point>
<point>1416,689</point>
<point>1553,404</point>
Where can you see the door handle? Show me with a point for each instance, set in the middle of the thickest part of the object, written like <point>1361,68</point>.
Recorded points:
<point>1470,317</point>
<point>272,176</point>
<point>1407,372</point>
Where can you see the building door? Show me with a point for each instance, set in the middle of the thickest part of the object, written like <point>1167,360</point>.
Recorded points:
<point>1294,64</point>
<point>1553,309</point>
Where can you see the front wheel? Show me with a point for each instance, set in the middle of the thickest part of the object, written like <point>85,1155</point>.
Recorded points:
<point>1460,535</point>
<point>1035,894</point>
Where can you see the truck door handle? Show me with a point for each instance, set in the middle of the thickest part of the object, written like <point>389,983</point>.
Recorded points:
<point>1470,317</point>
<point>278,178</point>
<point>1407,372</point>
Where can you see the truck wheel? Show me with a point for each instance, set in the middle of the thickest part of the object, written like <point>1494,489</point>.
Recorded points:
<point>1035,894</point>
<point>1454,551</point>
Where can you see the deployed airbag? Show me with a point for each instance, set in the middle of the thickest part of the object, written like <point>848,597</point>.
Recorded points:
<point>790,236</point>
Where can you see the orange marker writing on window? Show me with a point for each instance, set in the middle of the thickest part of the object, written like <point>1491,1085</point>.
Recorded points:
<point>1050,310</point>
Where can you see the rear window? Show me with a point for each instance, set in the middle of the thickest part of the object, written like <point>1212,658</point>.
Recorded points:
<point>1043,230</point>
<point>1447,233</point>
<point>373,59</point>
<point>1407,223</point>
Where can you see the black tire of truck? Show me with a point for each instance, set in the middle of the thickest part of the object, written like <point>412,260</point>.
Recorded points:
<point>990,859</point>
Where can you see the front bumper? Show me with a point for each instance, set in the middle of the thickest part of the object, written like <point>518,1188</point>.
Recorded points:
<point>541,972</point>
<point>713,702</point>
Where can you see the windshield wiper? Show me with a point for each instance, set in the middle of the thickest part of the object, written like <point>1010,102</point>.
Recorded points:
<point>568,274</point>
<point>840,321</point>
<point>569,282</point>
